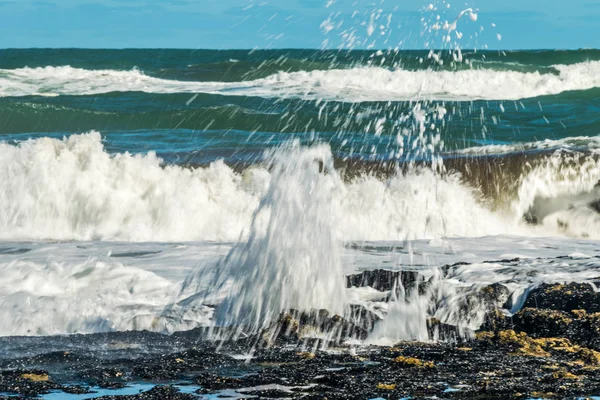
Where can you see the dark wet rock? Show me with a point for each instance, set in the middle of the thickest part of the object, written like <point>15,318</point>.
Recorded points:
<point>384,280</point>
<point>61,357</point>
<point>208,334</point>
<point>483,307</point>
<point>361,317</point>
<point>562,310</point>
<point>267,393</point>
<point>564,297</point>
<point>294,326</point>
<point>491,299</point>
<point>26,382</point>
<point>213,382</point>
<point>577,326</point>
<point>76,389</point>
<point>111,385</point>
<point>540,352</point>
<point>585,329</point>
<point>495,320</point>
<point>64,358</point>
<point>503,365</point>
<point>439,331</point>
<point>172,366</point>
<point>104,377</point>
<point>495,294</point>
<point>504,261</point>
<point>543,322</point>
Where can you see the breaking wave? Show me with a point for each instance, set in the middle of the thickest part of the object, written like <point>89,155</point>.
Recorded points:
<point>288,214</point>
<point>72,189</point>
<point>347,85</point>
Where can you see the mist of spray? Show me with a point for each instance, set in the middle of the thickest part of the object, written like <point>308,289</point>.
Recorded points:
<point>291,259</point>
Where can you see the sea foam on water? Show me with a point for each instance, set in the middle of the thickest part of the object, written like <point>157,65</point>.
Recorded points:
<point>353,85</point>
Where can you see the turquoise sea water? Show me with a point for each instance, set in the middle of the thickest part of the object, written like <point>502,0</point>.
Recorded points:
<point>197,106</point>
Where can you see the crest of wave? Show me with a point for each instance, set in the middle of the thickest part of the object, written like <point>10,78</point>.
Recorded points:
<point>421,204</point>
<point>562,193</point>
<point>291,259</point>
<point>73,189</point>
<point>370,83</point>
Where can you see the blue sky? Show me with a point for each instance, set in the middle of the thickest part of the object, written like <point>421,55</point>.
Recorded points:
<point>507,24</point>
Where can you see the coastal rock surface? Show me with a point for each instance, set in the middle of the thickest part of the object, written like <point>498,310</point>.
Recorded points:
<point>548,349</point>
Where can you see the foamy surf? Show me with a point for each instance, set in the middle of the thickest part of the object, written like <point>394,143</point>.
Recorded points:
<point>235,247</point>
<point>582,143</point>
<point>90,287</point>
<point>352,85</point>
<point>72,189</point>
<point>287,218</point>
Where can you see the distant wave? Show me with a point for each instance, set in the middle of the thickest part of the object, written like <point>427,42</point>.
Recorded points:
<point>346,85</point>
<point>585,143</point>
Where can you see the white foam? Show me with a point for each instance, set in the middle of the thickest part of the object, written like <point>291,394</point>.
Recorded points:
<point>559,193</point>
<point>83,287</point>
<point>574,142</point>
<point>66,80</point>
<point>348,85</point>
<point>86,297</point>
<point>418,205</point>
<point>72,189</point>
<point>290,220</point>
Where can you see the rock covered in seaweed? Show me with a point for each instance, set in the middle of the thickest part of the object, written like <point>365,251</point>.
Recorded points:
<point>27,382</point>
<point>564,297</point>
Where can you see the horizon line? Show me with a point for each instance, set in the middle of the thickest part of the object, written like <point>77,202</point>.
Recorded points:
<point>295,49</point>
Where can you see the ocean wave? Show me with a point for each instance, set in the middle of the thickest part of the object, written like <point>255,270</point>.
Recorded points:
<point>345,85</point>
<point>562,192</point>
<point>72,189</point>
<point>585,143</point>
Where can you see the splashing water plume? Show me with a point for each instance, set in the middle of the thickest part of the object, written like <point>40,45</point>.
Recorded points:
<point>291,259</point>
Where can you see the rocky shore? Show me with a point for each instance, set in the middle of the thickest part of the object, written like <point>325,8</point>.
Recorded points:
<point>550,348</point>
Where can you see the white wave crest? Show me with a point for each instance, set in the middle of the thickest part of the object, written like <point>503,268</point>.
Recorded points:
<point>72,189</point>
<point>562,194</point>
<point>575,142</point>
<point>347,85</point>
